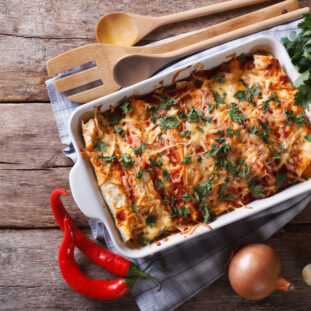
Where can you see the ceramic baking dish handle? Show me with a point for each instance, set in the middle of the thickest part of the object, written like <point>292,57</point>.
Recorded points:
<point>85,194</point>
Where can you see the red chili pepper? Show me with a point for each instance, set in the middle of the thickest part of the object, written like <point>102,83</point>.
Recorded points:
<point>97,289</point>
<point>103,257</point>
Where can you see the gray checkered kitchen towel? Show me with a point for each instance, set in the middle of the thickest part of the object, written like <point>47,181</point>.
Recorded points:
<point>195,264</point>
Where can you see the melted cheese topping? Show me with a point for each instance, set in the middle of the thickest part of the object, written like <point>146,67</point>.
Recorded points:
<point>208,144</point>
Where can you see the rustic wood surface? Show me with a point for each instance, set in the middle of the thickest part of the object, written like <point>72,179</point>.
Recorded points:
<point>32,163</point>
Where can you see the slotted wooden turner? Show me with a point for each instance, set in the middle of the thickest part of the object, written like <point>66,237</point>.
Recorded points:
<point>106,56</point>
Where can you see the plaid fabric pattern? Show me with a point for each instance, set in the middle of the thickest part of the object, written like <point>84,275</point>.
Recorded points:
<point>195,264</point>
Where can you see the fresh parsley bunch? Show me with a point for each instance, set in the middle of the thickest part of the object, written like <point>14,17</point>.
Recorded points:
<point>299,49</point>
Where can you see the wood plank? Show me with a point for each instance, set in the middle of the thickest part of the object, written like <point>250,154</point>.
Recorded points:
<point>77,19</point>
<point>29,138</point>
<point>24,197</point>
<point>25,47</point>
<point>30,277</point>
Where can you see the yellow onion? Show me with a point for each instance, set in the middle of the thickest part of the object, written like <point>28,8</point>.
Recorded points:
<point>255,272</point>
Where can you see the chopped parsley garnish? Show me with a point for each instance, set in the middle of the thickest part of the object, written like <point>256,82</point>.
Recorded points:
<point>205,213</point>
<point>141,149</point>
<point>254,130</point>
<point>186,197</point>
<point>126,107</point>
<point>165,175</point>
<point>168,122</point>
<point>252,182</point>
<point>308,138</point>
<point>200,129</point>
<point>159,154</point>
<point>210,108</point>
<point>219,99</point>
<point>257,191</point>
<point>290,117</point>
<point>222,196</point>
<point>236,115</point>
<point>114,118</point>
<point>199,159</point>
<point>139,175</point>
<point>142,240</point>
<point>183,211</point>
<point>220,139</point>
<point>156,164</point>
<point>120,131</point>
<point>244,83</point>
<point>107,158</point>
<point>151,220</point>
<point>163,230</point>
<point>229,131</point>
<point>181,115</point>
<point>277,154</point>
<point>264,131</point>
<point>219,79</point>
<point>238,169</point>
<point>186,134</point>
<point>280,178</point>
<point>205,187</point>
<point>265,104</point>
<point>126,160</point>
<point>159,183</point>
<point>101,145</point>
<point>217,151</point>
<point>194,115</point>
<point>135,208</point>
<point>187,159</point>
<point>237,133</point>
<point>248,94</point>
<point>166,104</point>
<point>242,58</point>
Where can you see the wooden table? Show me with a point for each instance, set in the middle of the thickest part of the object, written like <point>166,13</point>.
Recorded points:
<point>32,163</point>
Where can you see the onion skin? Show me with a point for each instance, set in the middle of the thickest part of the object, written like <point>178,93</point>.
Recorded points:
<point>254,272</point>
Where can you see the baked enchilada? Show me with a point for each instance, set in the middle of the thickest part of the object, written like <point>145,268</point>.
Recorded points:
<point>206,145</point>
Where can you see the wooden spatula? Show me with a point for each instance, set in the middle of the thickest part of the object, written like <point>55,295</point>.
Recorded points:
<point>106,56</point>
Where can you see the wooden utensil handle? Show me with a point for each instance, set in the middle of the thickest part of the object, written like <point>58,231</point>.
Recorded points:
<point>222,28</point>
<point>236,34</point>
<point>207,10</point>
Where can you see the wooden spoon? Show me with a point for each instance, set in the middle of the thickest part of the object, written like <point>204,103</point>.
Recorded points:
<point>125,29</point>
<point>106,56</point>
<point>134,68</point>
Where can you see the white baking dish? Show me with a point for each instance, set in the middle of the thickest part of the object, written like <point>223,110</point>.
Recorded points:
<point>83,183</point>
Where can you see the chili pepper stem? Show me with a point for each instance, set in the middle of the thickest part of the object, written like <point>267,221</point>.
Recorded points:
<point>134,272</point>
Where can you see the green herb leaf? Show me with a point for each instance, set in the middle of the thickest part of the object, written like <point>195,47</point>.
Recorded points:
<point>219,79</point>
<point>219,99</point>
<point>156,164</point>
<point>280,178</point>
<point>168,122</point>
<point>151,220</point>
<point>120,131</point>
<point>223,197</point>
<point>229,131</point>
<point>257,191</point>
<point>126,107</point>
<point>183,211</point>
<point>254,130</point>
<point>186,134</point>
<point>139,175</point>
<point>237,133</point>
<point>210,108</point>
<point>159,183</point>
<point>114,118</point>
<point>308,138</point>
<point>142,240</point>
<point>126,160</point>
<point>101,145</point>
<point>107,158</point>
<point>135,208</point>
<point>166,175</point>
<point>236,115</point>
<point>181,115</point>
<point>186,197</point>
<point>205,187</point>
<point>141,149</point>
<point>187,159</point>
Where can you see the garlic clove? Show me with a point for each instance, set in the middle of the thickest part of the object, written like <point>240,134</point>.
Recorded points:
<point>306,274</point>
